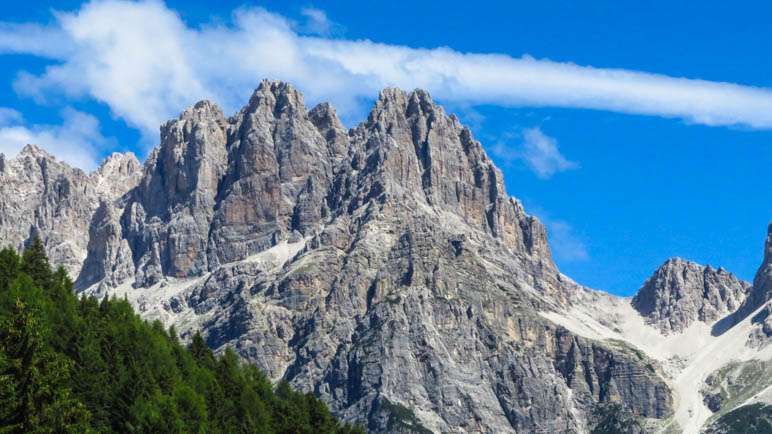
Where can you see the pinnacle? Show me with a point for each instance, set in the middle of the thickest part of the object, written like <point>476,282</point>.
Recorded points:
<point>324,115</point>
<point>117,159</point>
<point>202,109</point>
<point>399,96</point>
<point>34,150</point>
<point>277,94</point>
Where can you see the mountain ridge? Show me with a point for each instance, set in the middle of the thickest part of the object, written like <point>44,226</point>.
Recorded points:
<point>383,267</point>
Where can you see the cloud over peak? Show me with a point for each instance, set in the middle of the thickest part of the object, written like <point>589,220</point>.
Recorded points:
<point>76,141</point>
<point>144,62</point>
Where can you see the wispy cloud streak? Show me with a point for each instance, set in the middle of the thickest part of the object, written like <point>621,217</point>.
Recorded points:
<point>146,64</point>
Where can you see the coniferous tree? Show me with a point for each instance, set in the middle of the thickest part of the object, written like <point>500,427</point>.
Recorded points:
<point>10,266</point>
<point>70,364</point>
<point>35,396</point>
<point>35,263</point>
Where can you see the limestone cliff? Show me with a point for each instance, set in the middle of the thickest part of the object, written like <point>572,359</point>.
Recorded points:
<point>383,268</point>
<point>55,201</point>
<point>681,292</point>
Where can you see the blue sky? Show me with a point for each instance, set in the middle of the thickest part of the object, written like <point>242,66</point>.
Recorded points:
<point>636,131</point>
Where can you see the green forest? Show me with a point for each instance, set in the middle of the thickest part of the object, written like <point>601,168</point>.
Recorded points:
<point>77,364</point>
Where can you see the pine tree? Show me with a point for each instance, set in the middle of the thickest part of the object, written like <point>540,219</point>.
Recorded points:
<point>10,266</point>
<point>173,333</point>
<point>70,364</point>
<point>201,352</point>
<point>35,393</point>
<point>35,264</point>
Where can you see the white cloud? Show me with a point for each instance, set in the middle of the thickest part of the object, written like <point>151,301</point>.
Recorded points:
<point>9,116</point>
<point>317,23</point>
<point>35,39</point>
<point>538,151</point>
<point>146,64</point>
<point>133,56</point>
<point>77,141</point>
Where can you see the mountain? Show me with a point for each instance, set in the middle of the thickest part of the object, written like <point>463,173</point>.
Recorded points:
<point>761,291</point>
<point>707,331</point>
<point>762,283</point>
<point>49,198</point>
<point>383,268</point>
<point>681,292</point>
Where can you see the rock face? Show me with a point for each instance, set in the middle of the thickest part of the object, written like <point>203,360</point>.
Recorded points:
<point>383,268</point>
<point>279,175</point>
<point>49,198</point>
<point>109,259</point>
<point>761,332</point>
<point>762,283</point>
<point>117,175</point>
<point>681,292</point>
<point>759,294</point>
<point>166,220</point>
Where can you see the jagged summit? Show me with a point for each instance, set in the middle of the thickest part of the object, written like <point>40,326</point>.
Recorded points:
<point>704,328</point>
<point>208,173</point>
<point>760,292</point>
<point>762,282</point>
<point>117,161</point>
<point>47,197</point>
<point>34,151</point>
<point>203,109</point>
<point>383,268</point>
<point>276,95</point>
<point>681,292</point>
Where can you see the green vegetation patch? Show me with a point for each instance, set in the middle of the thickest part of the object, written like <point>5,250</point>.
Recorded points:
<point>737,382</point>
<point>306,268</point>
<point>402,417</point>
<point>754,418</point>
<point>627,349</point>
<point>70,364</point>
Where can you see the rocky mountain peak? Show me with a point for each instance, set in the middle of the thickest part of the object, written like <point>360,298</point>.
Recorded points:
<point>34,151</point>
<point>120,163</point>
<point>201,111</point>
<point>762,285</point>
<point>278,97</point>
<point>117,175</point>
<point>436,161</point>
<point>325,117</point>
<point>394,106</point>
<point>383,268</point>
<point>51,199</point>
<point>166,220</point>
<point>763,280</point>
<point>33,161</point>
<point>681,292</point>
